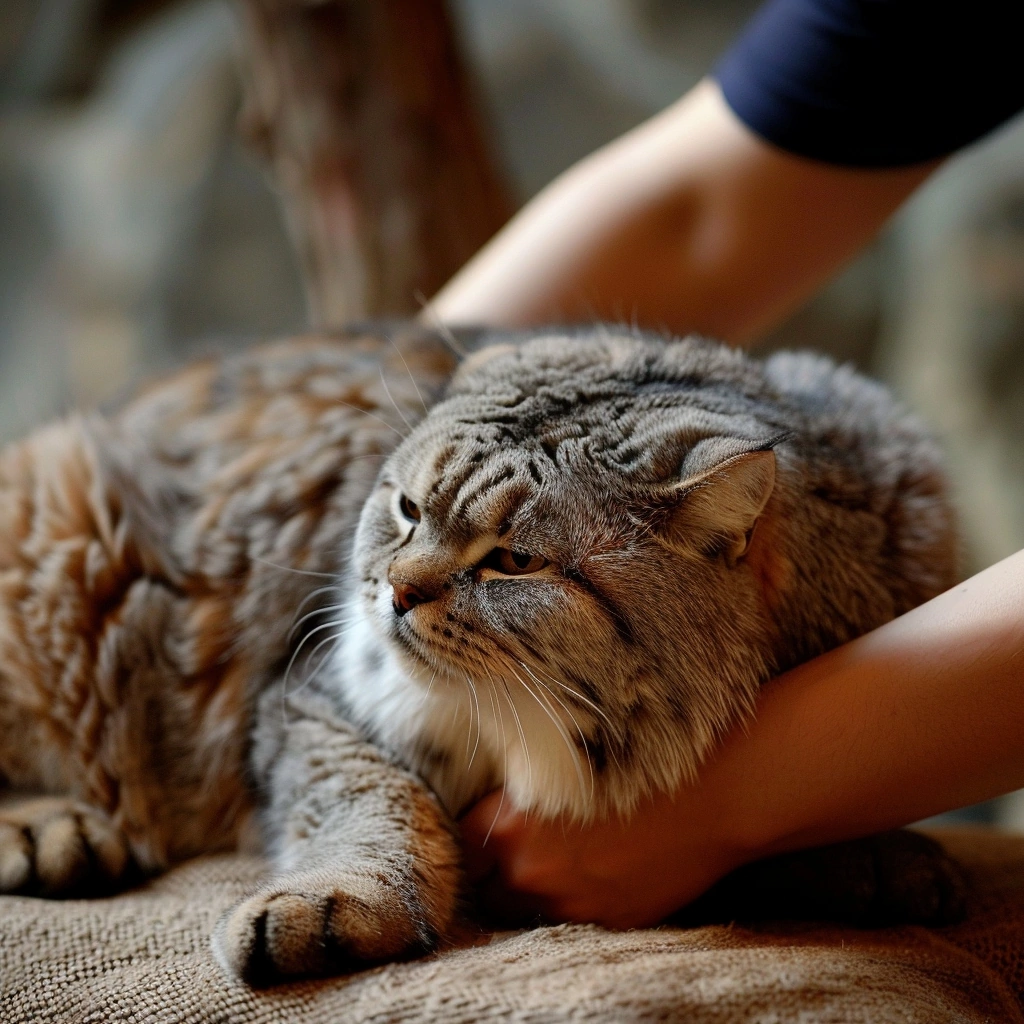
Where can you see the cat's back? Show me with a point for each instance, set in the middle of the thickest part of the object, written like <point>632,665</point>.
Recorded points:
<point>871,476</point>
<point>288,396</point>
<point>265,454</point>
<point>237,472</point>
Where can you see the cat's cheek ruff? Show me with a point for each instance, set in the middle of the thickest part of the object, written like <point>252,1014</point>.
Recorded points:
<point>429,728</point>
<point>463,744</point>
<point>462,749</point>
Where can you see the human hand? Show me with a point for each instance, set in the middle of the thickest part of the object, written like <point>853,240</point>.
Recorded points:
<point>615,872</point>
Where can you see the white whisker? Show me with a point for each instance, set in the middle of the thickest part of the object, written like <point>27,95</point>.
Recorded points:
<point>312,595</point>
<point>613,729</point>
<point>455,718</point>
<point>562,731</point>
<point>475,699</point>
<point>387,391</point>
<point>442,328</point>
<point>401,355</point>
<point>309,615</point>
<point>579,696</point>
<point>368,455</point>
<point>373,416</point>
<point>583,739</point>
<point>504,776</point>
<point>295,654</point>
<point>522,735</point>
<point>335,639</point>
<point>288,568</point>
<point>546,707</point>
<point>469,728</point>
<point>430,686</point>
<point>312,654</point>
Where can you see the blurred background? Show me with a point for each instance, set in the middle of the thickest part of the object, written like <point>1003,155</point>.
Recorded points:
<point>138,230</point>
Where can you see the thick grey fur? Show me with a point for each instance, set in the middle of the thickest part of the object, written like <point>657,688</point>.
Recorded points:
<point>694,522</point>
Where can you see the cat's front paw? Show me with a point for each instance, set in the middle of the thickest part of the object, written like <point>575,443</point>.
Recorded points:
<point>56,846</point>
<point>317,923</point>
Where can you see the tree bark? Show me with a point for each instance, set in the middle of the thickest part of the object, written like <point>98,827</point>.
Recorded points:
<point>364,111</point>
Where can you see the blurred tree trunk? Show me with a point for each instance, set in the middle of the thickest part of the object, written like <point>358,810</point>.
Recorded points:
<point>364,112</point>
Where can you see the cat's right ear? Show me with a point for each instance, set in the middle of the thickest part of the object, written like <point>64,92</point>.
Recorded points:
<point>714,510</point>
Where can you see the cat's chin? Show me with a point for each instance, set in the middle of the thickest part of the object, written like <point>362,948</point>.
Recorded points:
<point>465,739</point>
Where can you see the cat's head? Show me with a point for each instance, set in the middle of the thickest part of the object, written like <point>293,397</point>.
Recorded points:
<point>569,530</point>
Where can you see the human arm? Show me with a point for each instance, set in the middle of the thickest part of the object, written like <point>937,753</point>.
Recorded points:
<point>922,715</point>
<point>690,222</point>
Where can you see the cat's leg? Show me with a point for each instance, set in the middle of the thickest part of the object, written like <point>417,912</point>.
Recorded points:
<point>893,878</point>
<point>368,867</point>
<point>58,846</point>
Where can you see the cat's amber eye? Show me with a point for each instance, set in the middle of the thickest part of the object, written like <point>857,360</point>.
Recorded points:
<point>409,509</point>
<point>514,563</point>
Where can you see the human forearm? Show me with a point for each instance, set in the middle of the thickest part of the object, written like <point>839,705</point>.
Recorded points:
<point>920,716</point>
<point>690,222</point>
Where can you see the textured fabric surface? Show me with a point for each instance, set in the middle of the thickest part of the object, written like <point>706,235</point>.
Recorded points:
<point>144,957</point>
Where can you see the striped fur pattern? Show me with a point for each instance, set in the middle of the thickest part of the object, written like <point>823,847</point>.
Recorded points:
<point>325,594</point>
<point>698,521</point>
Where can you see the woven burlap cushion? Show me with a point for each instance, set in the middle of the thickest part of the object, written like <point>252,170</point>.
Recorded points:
<point>144,957</point>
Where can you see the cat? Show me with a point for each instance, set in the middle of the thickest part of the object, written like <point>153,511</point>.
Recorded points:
<point>329,592</point>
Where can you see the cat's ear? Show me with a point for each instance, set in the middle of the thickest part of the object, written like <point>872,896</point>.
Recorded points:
<point>715,508</point>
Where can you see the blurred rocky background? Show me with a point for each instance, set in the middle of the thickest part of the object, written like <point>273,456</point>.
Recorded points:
<point>136,229</point>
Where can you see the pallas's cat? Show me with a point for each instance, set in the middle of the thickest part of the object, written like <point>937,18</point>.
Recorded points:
<point>276,595</point>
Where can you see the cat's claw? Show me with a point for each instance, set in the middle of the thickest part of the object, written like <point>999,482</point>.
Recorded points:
<point>316,923</point>
<point>56,846</point>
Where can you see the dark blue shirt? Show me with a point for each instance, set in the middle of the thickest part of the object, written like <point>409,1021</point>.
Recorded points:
<point>876,83</point>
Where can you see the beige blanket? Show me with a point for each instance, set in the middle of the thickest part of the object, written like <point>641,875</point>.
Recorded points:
<point>144,957</point>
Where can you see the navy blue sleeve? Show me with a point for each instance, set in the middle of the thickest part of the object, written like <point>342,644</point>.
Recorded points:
<point>876,83</point>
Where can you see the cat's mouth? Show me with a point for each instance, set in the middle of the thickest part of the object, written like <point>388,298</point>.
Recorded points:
<point>413,644</point>
<point>425,653</point>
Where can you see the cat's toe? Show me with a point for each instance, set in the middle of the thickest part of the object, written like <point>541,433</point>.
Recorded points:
<point>315,925</point>
<point>272,936</point>
<point>52,846</point>
<point>15,858</point>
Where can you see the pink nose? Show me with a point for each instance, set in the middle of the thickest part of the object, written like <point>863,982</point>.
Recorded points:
<point>407,596</point>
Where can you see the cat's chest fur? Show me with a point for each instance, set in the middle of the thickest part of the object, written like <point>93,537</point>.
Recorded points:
<point>463,740</point>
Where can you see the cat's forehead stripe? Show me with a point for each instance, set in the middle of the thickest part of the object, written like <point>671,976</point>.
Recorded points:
<point>488,498</point>
<point>478,486</point>
<point>438,467</point>
<point>458,470</point>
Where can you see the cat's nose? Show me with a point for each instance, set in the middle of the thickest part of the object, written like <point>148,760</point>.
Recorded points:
<point>405,596</point>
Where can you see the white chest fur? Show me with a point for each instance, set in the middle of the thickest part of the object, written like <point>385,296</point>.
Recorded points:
<point>464,737</point>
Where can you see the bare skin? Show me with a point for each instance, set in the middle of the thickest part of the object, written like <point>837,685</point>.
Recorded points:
<point>693,223</point>
<point>690,222</point>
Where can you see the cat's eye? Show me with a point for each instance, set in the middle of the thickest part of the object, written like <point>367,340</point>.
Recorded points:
<point>409,509</point>
<point>514,563</point>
